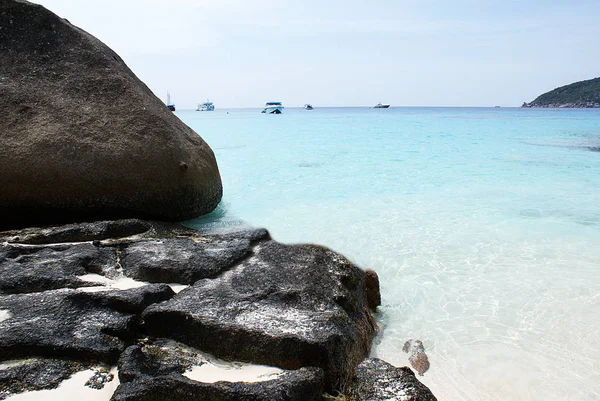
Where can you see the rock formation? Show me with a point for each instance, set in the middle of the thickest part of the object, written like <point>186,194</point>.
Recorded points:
<point>83,138</point>
<point>300,308</point>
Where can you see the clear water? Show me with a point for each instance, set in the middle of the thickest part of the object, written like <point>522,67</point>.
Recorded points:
<point>483,224</point>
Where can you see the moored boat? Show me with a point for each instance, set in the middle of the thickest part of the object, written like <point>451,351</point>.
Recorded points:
<point>170,106</point>
<point>206,106</point>
<point>273,108</point>
<point>381,106</point>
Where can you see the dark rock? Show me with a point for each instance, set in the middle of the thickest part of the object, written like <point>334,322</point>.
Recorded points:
<point>83,138</point>
<point>377,380</point>
<point>417,356</point>
<point>81,232</point>
<point>285,306</point>
<point>153,371</point>
<point>72,323</point>
<point>36,374</point>
<point>100,378</point>
<point>186,260</point>
<point>372,289</point>
<point>38,268</point>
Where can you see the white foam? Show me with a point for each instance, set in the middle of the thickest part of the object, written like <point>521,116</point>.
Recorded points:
<point>5,315</point>
<point>73,389</point>
<point>215,370</point>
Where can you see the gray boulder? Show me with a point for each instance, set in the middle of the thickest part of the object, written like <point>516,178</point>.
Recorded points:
<point>285,306</point>
<point>377,380</point>
<point>39,268</point>
<point>187,260</point>
<point>83,138</point>
<point>74,324</point>
<point>153,371</point>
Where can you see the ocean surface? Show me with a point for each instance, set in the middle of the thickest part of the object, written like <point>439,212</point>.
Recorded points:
<point>482,223</point>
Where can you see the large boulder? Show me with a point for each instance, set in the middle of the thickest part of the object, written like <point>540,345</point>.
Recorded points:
<point>289,306</point>
<point>83,138</point>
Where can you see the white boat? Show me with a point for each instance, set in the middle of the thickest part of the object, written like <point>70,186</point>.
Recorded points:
<point>308,106</point>
<point>273,108</point>
<point>206,106</point>
<point>381,106</point>
<point>170,106</point>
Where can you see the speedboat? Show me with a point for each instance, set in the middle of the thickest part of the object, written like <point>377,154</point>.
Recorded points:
<point>206,106</point>
<point>381,106</point>
<point>273,108</point>
<point>308,106</point>
<point>170,106</point>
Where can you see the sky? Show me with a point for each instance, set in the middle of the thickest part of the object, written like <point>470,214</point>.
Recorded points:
<point>242,53</point>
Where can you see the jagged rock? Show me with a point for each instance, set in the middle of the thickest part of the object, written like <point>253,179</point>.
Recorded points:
<point>285,306</point>
<point>186,260</point>
<point>154,371</point>
<point>377,380</point>
<point>36,374</point>
<point>81,232</point>
<point>73,323</point>
<point>38,268</point>
<point>83,138</point>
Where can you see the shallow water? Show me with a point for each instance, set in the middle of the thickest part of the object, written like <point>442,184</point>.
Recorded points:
<point>483,225</point>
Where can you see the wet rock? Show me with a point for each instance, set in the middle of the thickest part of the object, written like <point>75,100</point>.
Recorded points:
<point>182,260</point>
<point>36,374</point>
<point>285,306</point>
<point>416,356</point>
<point>81,232</point>
<point>73,323</point>
<point>38,268</point>
<point>83,138</point>
<point>377,380</point>
<point>372,289</point>
<point>154,371</point>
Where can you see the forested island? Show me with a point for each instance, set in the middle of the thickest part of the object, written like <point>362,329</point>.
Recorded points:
<point>583,94</point>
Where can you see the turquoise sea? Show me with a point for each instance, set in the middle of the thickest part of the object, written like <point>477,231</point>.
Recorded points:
<point>482,223</point>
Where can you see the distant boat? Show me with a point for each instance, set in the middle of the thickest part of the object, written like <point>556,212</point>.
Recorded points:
<point>308,106</point>
<point>381,106</point>
<point>273,108</point>
<point>170,105</point>
<point>206,106</point>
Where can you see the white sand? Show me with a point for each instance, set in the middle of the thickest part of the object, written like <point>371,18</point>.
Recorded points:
<point>73,389</point>
<point>5,315</point>
<point>215,370</point>
<point>176,287</point>
<point>121,283</point>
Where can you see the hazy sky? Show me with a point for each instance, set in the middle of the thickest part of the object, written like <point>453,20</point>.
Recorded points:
<point>353,53</point>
